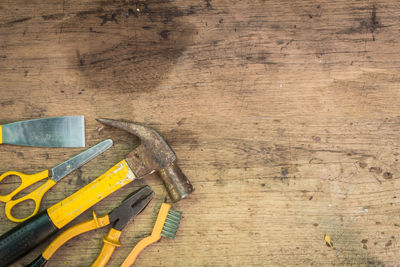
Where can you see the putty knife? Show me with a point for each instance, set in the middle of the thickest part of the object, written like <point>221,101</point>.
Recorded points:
<point>67,131</point>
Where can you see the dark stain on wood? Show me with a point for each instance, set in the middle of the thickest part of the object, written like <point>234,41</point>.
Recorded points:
<point>387,175</point>
<point>181,121</point>
<point>34,111</point>
<point>5,103</point>
<point>376,170</point>
<point>80,59</point>
<point>86,13</point>
<point>284,171</point>
<point>132,63</point>
<point>164,34</point>
<point>371,24</point>
<point>57,16</point>
<point>108,17</point>
<point>316,138</point>
<point>208,4</point>
<point>180,136</point>
<point>259,58</point>
<point>362,165</point>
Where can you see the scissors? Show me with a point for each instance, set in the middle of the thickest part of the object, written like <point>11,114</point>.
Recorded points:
<point>55,174</point>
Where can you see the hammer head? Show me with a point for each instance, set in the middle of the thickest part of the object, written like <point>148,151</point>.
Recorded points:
<point>154,155</point>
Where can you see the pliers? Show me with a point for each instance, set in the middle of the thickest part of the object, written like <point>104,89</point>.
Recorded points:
<point>120,216</point>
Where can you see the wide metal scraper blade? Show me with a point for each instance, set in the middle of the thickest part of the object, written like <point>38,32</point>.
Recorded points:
<point>67,131</point>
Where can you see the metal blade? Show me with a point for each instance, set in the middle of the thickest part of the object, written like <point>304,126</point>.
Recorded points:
<point>62,170</point>
<point>67,131</point>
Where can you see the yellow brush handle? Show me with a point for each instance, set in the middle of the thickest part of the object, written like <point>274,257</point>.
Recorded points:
<point>35,195</point>
<point>154,237</point>
<point>147,241</point>
<point>111,240</point>
<point>68,209</point>
<point>74,231</point>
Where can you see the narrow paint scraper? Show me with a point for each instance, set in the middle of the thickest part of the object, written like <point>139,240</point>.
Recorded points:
<point>66,131</point>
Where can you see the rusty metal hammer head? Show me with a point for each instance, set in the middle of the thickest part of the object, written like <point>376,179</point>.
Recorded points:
<point>154,155</point>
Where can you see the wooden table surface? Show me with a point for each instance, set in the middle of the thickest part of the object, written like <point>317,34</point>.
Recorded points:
<point>284,115</point>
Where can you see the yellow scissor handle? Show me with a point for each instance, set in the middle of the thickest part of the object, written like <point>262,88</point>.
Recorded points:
<point>26,181</point>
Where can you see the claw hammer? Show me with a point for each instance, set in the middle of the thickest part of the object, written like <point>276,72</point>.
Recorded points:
<point>153,155</point>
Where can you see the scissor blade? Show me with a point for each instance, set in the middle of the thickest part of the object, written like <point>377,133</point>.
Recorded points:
<point>65,168</point>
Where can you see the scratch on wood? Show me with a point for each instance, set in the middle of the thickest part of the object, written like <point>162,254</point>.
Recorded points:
<point>10,23</point>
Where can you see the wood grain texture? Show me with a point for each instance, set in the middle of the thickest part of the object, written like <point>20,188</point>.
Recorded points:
<point>284,115</point>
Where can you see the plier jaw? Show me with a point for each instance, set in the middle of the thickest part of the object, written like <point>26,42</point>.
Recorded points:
<point>130,207</point>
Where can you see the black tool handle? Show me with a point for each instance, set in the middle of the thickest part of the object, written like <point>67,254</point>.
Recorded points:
<point>23,238</point>
<point>38,262</point>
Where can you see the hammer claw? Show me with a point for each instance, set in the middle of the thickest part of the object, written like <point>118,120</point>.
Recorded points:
<point>130,127</point>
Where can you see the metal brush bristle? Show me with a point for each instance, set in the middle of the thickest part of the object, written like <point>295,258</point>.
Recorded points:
<point>171,224</point>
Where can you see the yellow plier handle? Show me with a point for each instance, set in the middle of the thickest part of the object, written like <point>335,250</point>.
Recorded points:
<point>111,241</point>
<point>96,222</point>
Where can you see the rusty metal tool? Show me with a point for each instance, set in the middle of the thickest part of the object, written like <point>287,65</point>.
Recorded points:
<point>119,217</point>
<point>153,155</point>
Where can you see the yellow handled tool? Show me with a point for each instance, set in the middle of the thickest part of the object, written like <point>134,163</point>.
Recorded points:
<point>153,155</point>
<point>55,174</point>
<point>120,216</point>
<point>166,225</point>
